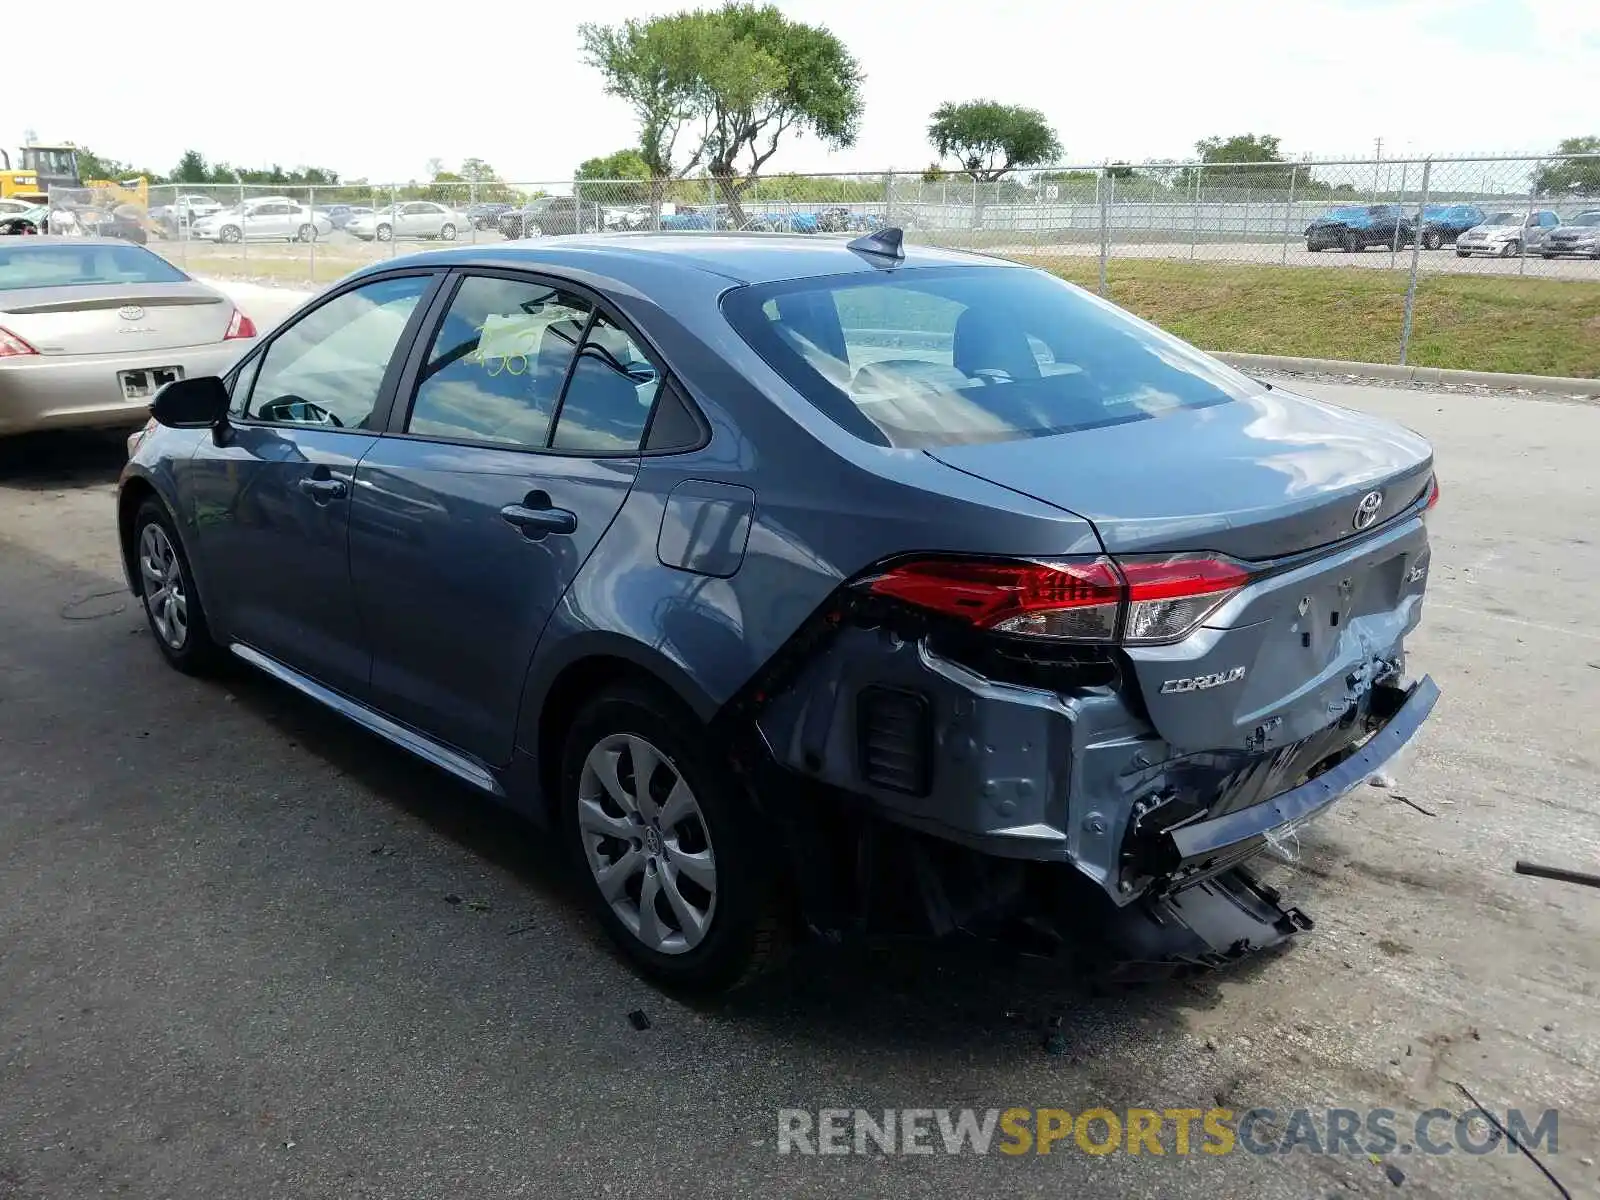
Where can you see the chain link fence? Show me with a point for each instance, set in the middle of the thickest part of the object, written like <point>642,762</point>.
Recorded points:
<point>1488,262</point>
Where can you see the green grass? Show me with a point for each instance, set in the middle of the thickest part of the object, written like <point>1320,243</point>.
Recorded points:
<point>1472,322</point>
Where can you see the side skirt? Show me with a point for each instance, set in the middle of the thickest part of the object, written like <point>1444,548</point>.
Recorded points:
<point>464,768</point>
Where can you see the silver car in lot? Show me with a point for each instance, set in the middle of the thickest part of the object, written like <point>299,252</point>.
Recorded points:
<point>91,327</point>
<point>267,219</point>
<point>1579,236</point>
<point>412,218</point>
<point>1508,233</point>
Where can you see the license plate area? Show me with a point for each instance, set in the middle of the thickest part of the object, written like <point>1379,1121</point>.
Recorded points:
<point>143,383</point>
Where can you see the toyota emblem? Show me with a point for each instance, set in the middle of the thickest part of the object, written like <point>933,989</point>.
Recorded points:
<point>1367,510</point>
<point>130,312</point>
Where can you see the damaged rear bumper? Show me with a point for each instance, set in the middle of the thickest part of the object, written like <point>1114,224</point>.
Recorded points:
<point>1076,776</point>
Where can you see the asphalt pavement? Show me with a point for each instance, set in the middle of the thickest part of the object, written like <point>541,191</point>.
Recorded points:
<point>249,951</point>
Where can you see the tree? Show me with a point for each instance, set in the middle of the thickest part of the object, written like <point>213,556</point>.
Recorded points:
<point>745,76</point>
<point>1240,148</point>
<point>1571,176</point>
<point>992,139</point>
<point>191,168</point>
<point>624,164</point>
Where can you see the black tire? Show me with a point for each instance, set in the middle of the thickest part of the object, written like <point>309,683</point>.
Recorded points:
<point>1432,240</point>
<point>306,233</point>
<point>1511,249</point>
<point>1350,242</point>
<point>1311,248</point>
<point>384,233</point>
<point>1545,254</point>
<point>1463,253</point>
<point>230,233</point>
<point>199,653</point>
<point>747,935</point>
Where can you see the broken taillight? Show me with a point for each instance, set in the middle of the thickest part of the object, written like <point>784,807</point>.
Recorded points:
<point>1134,601</point>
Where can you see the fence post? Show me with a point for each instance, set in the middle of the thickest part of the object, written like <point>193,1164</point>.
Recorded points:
<point>1105,230</point>
<point>311,209</point>
<point>394,217</point>
<point>1288,217</point>
<point>1522,238</point>
<point>244,232</point>
<point>1194,212</point>
<point>1416,254</point>
<point>577,205</point>
<point>1394,242</point>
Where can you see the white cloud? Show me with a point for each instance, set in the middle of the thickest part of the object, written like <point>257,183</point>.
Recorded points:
<point>376,89</point>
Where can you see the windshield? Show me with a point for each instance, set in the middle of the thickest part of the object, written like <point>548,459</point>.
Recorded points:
<point>1346,214</point>
<point>950,356</point>
<point>32,265</point>
<point>1503,218</point>
<point>1592,218</point>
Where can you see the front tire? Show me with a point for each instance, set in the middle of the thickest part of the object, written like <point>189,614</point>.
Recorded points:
<point>1350,242</point>
<point>166,587</point>
<point>1432,240</point>
<point>1511,249</point>
<point>1463,253</point>
<point>229,233</point>
<point>672,855</point>
<point>306,233</point>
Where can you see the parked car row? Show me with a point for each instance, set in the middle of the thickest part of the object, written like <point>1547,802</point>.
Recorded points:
<point>1468,228</point>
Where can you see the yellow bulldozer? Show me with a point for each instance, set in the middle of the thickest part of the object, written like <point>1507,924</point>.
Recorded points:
<point>45,167</point>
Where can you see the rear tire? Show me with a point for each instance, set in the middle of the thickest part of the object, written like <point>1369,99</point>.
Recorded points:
<point>1350,242</point>
<point>229,233</point>
<point>1432,240</point>
<point>384,233</point>
<point>166,589</point>
<point>1463,253</point>
<point>674,864</point>
<point>1310,249</point>
<point>307,233</point>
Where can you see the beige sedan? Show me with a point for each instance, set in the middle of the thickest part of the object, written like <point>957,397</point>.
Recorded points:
<point>91,327</point>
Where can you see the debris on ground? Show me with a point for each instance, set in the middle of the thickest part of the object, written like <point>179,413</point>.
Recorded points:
<point>1404,799</point>
<point>638,1019</point>
<point>1055,1042</point>
<point>1381,779</point>
<point>480,906</point>
<point>1395,1174</point>
<point>452,898</point>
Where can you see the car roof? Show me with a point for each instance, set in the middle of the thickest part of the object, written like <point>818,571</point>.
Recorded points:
<point>53,239</point>
<point>741,257</point>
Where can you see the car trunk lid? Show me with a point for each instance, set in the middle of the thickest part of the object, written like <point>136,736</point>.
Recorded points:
<point>117,319</point>
<point>1286,486</point>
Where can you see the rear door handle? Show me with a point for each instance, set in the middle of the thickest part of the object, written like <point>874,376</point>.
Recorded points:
<point>323,490</point>
<point>535,523</point>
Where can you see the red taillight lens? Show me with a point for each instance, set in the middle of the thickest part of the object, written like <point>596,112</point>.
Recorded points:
<point>1168,597</point>
<point>1068,600</point>
<point>1433,494</point>
<point>1140,600</point>
<point>11,346</point>
<point>240,327</point>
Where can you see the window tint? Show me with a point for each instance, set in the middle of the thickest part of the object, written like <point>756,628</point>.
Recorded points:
<point>497,363</point>
<point>972,354</point>
<point>327,369</point>
<point>31,263</point>
<point>239,384</point>
<point>607,404</point>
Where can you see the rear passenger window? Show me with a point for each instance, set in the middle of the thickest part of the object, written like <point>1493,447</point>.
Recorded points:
<point>498,361</point>
<point>608,400</point>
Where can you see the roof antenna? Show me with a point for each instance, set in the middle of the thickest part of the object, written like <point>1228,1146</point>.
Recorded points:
<point>882,243</point>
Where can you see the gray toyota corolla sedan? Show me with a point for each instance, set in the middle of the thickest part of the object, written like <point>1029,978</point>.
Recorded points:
<point>797,583</point>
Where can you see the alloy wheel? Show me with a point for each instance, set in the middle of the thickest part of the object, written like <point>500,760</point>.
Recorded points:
<point>647,843</point>
<point>164,596</point>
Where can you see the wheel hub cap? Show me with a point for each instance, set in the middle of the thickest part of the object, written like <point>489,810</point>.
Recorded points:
<point>162,579</point>
<point>647,843</point>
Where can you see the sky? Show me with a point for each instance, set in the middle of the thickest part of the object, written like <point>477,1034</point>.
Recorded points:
<point>377,90</point>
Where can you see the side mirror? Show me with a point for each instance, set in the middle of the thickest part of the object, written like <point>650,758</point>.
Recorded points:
<point>197,403</point>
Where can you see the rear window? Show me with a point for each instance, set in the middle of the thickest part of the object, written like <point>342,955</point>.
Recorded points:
<point>32,265</point>
<point>950,356</point>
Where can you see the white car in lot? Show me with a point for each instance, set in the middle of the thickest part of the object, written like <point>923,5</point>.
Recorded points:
<point>269,218</point>
<point>1508,234</point>
<point>411,218</point>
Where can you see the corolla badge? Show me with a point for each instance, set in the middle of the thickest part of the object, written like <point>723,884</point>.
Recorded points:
<point>130,312</point>
<point>1367,510</point>
<point>1200,683</point>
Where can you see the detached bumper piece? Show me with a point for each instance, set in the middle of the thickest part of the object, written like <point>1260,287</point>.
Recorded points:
<point>1206,925</point>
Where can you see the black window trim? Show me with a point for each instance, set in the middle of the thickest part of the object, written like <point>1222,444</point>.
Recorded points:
<point>422,342</point>
<point>383,406</point>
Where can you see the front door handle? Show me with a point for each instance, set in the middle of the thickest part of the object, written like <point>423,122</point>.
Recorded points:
<point>324,490</point>
<point>535,523</point>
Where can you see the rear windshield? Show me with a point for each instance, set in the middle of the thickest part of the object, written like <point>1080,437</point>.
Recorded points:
<point>32,265</point>
<point>949,356</point>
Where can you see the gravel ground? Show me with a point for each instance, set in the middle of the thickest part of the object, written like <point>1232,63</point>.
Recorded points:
<point>231,966</point>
